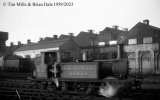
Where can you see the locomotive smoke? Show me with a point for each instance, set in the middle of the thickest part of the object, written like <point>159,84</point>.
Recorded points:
<point>108,90</point>
<point>55,80</point>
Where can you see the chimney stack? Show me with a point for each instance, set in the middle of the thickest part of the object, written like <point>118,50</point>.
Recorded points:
<point>115,27</point>
<point>90,31</point>
<point>125,29</point>
<point>11,44</point>
<point>55,36</point>
<point>40,39</point>
<point>19,43</point>
<point>28,41</point>
<point>146,22</point>
<point>71,34</point>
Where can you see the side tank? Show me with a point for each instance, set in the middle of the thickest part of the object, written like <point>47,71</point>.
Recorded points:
<point>94,70</point>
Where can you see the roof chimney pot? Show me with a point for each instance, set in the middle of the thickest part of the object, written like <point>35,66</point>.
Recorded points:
<point>146,22</point>
<point>40,39</point>
<point>125,29</point>
<point>90,31</point>
<point>115,27</point>
<point>55,36</point>
<point>28,41</point>
<point>71,34</point>
<point>19,43</point>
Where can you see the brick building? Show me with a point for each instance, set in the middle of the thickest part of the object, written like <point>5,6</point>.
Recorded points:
<point>110,37</point>
<point>111,34</point>
<point>142,48</point>
<point>86,38</point>
<point>88,43</point>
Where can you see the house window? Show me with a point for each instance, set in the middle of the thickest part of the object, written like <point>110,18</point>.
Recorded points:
<point>147,40</point>
<point>132,41</point>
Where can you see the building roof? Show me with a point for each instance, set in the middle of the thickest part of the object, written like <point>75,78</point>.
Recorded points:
<point>141,30</point>
<point>115,32</point>
<point>43,45</point>
<point>109,34</point>
<point>85,38</point>
<point>139,24</point>
<point>66,36</point>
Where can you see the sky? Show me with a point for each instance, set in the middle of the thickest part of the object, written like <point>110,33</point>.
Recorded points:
<point>33,22</point>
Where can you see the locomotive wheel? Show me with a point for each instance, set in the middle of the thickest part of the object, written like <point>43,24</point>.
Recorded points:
<point>64,86</point>
<point>82,88</point>
<point>53,85</point>
<point>50,85</point>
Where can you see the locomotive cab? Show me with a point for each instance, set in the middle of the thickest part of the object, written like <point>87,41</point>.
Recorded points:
<point>45,63</point>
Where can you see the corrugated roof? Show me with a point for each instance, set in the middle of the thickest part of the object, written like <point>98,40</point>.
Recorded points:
<point>43,45</point>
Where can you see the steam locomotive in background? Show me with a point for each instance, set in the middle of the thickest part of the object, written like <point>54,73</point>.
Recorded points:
<point>14,63</point>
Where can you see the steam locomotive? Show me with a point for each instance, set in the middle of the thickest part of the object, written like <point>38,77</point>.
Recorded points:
<point>79,77</point>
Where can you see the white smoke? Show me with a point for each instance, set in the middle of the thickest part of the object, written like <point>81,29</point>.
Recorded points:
<point>108,90</point>
<point>55,80</point>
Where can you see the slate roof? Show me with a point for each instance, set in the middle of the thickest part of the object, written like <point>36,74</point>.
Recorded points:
<point>66,36</point>
<point>85,38</point>
<point>48,39</point>
<point>109,34</point>
<point>43,45</point>
<point>141,30</point>
<point>143,27</point>
<point>115,32</point>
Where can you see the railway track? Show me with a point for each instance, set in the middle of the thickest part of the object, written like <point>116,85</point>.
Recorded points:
<point>14,75</point>
<point>10,89</point>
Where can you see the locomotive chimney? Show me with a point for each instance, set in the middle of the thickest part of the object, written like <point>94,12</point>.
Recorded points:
<point>119,51</point>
